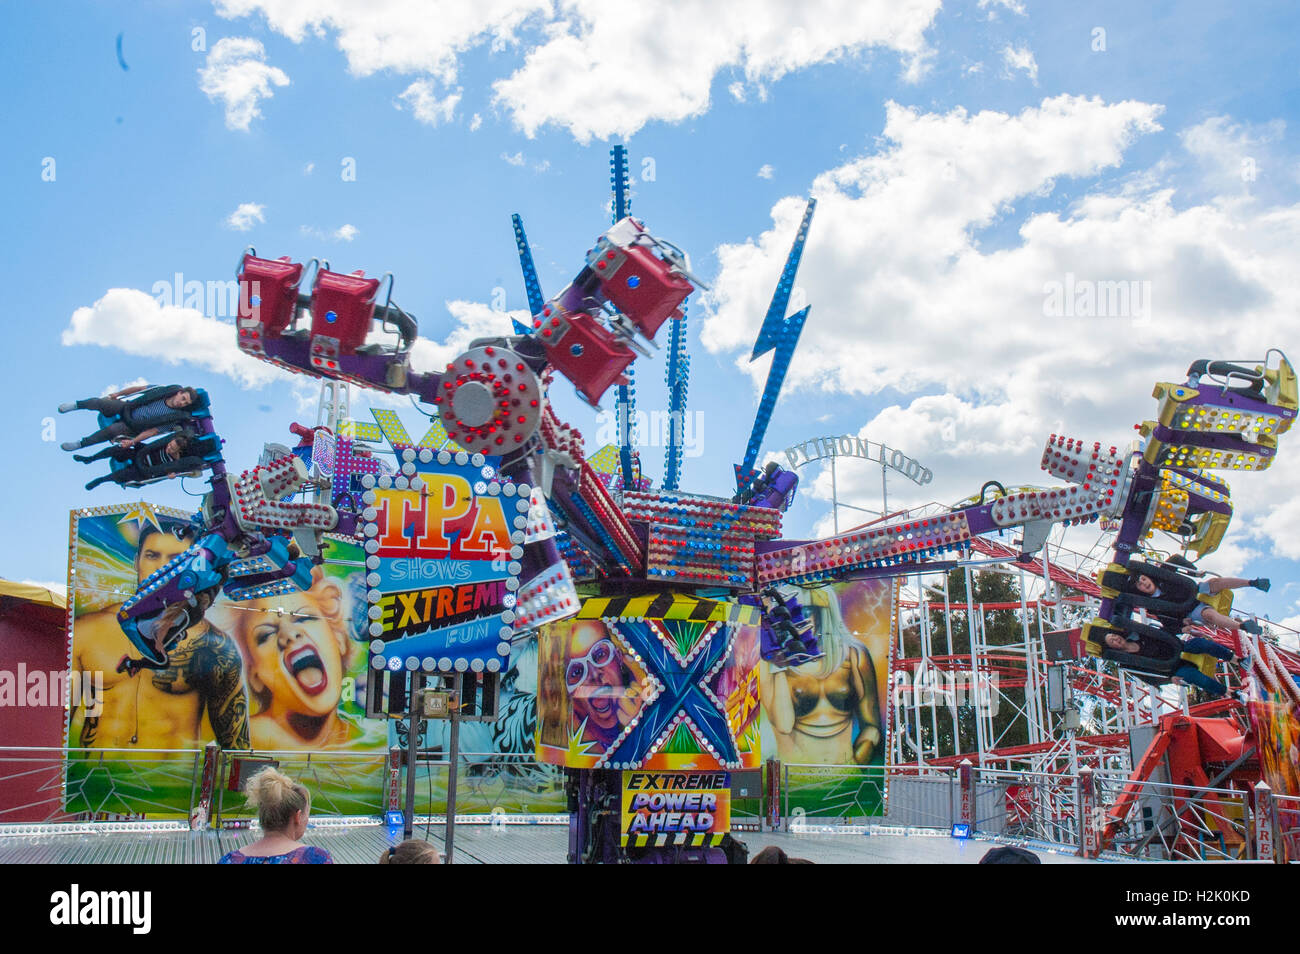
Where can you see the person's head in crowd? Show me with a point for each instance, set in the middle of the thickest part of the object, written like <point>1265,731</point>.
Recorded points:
<point>772,855</point>
<point>283,805</point>
<point>1010,855</point>
<point>413,851</point>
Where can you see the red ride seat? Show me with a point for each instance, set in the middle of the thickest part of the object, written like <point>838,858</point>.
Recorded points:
<point>268,294</point>
<point>641,286</point>
<point>342,307</point>
<point>583,351</point>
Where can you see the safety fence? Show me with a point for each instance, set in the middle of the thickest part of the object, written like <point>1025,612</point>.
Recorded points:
<point>204,786</point>
<point>1035,806</point>
<point>1174,822</point>
<point>1096,813</point>
<point>1287,816</point>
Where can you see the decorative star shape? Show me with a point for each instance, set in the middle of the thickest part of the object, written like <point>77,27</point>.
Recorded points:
<point>579,748</point>
<point>142,513</point>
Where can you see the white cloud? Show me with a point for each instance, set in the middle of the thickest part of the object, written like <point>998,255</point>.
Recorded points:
<point>133,322</point>
<point>473,320</point>
<point>910,211</point>
<point>598,47</point>
<point>765,171</point>
<point>954,339</point>
<point>1015,6</point>
<point>246,216</point>
<point>423,102</point>
<point>1233,156</point>
<point>737,91</point>
<point>1288,631</point>
<point>475,122</point>
<point>114,388</point>
<point>130,321</point>
<point>236,73</point>
<point>344,233</point>
<point>399,35</point>
<point>515,160</point>
<point>309,168</point>
<point>573,47</point>
<point>1020,58</point>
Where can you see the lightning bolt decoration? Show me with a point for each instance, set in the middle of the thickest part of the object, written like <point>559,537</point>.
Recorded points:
<point>779,334</point>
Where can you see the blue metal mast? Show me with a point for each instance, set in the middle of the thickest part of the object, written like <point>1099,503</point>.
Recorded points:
<point>679,377</point>
<point>625,404</point>
<point>531,285</point>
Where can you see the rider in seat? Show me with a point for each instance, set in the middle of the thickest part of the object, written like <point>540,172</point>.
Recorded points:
<point>176,453</point>
<point>154,409</point>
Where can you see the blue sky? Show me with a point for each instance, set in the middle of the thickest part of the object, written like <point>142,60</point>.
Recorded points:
<point>964,154</point>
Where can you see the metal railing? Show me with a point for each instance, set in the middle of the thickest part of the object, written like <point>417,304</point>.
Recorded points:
<point>1287,809</point>
<point>1037,806</point>
<point>58,786</point>
<point>1174,822</point>
<point>838,794</point>
<point>342,784</point>
<point>1149,820</point>
<point>345,784</point>
<point>43,784</point>
<point>926,799</point>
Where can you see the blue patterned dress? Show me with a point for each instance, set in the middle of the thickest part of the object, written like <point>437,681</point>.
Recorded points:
<point>306,855</point>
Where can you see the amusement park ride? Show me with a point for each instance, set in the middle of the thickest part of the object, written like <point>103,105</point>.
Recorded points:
<point>692,589</point>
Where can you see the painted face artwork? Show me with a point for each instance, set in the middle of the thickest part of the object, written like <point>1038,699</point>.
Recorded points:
<point>158,548</point>
<point>593,676</point>
<point>295,655</point>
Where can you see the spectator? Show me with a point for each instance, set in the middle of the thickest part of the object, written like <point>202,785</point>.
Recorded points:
<point>772,855</point>
<point>1010,855</point>
<point>283,807</point>
<point>413,851</point>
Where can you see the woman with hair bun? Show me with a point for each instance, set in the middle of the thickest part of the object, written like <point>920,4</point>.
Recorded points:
<point>283,807</point>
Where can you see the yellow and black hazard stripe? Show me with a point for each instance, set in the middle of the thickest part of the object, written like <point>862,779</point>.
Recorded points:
<point>668,606</point>
<point>705,839</point>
